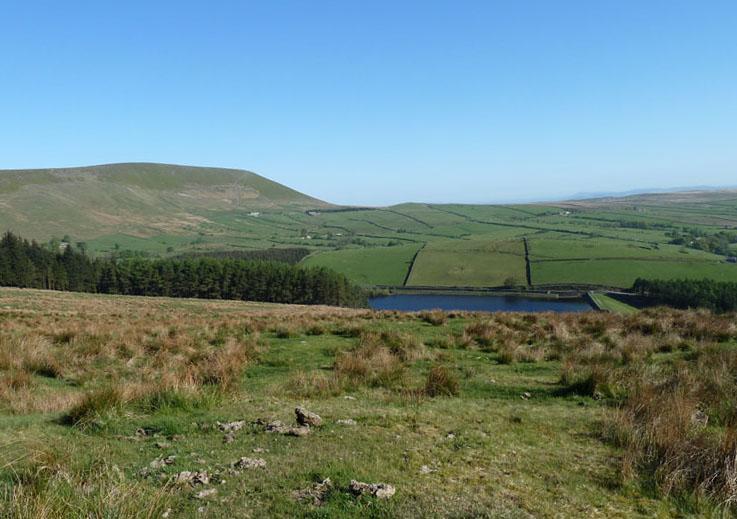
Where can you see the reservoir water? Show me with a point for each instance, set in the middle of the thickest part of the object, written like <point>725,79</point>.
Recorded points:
<point>476,303</point>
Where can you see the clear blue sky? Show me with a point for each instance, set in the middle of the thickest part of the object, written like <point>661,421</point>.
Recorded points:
<point>377,102</point>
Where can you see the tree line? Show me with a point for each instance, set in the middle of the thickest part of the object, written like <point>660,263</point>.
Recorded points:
<point>291,255</point>
<point>719,296</point>
<point>30,265</point>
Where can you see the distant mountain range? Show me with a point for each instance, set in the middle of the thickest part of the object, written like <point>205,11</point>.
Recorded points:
<point>645,191</point>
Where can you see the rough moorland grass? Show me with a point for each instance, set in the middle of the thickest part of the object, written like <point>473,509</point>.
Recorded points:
<point>503,415</point>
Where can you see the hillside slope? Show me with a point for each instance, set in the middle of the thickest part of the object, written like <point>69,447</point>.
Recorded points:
<point>140,199</point>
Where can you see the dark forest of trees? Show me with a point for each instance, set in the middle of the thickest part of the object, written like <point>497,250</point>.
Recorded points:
<point>30,265</point>
<point>720,296</point>
<point>292,255</point>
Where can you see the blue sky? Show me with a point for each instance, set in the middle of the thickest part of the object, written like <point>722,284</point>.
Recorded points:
<point>381,102</point>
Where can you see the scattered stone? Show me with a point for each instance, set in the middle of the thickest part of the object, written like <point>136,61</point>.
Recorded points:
<point>230,427</point>
<point>192,478</point>
<point>347,421</point>
<point>526,395</point>
<point>162,445</point>
<point>380,490</point>
<point>292,430</point>
<point>349,397</point>
<point>308,418</point>
<point>177,437</point>
<point>207,493</point>
<point>157,464</point>
<point>426,470</point>
<point>127,438</point>
<point>451,435</point>
<point>249,463</point>
<point>491,381</point>
<point>140,433</point>
<point>166,514</point>
<point>317,492</point>
<point>229,438</point>
<point>260,450</point>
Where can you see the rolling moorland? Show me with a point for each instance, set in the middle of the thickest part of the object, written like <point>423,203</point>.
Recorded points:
<point>139,407</point>
<point>144,407</point>
<point>162,210</point>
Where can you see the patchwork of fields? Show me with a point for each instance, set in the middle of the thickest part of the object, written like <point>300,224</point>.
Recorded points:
<point>609,242</point>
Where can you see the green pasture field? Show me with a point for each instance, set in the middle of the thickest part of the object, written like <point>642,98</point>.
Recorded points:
<point>374,266</point>
<point>622,273</point>
<point>469,263</point>
<point>563,248</point>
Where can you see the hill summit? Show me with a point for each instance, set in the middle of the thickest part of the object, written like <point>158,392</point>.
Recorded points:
<point>136,198</point>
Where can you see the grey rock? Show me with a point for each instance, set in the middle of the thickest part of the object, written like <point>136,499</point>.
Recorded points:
<point>278,427</point>
<point>249,463</point>
<point>192,478</point>
<point>380,490</point>
<point>317,492</point>
<point>305,417</point>
<point>207,493</point>
<point>230,427</point>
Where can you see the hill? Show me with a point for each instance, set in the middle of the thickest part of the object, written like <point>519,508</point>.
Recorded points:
<point>138,199</point>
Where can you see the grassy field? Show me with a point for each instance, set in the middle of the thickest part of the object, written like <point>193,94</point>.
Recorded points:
<point>470,263</point>
<point>623,272</point>
<point>141,407</point>
<point>370,266</point>
<point>610,304</point>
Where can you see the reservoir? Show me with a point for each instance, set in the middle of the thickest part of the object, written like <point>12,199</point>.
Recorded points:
<point>476,303</point>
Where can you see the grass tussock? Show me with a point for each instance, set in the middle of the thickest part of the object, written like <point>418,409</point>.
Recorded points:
<point>48,485</point>
<point>434,317</point>
<point>442,382</point>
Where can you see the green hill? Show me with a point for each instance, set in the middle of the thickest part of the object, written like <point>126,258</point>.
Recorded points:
<point>136,199</point>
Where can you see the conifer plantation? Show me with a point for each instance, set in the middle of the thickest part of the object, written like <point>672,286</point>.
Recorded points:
<point>30,265</point>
